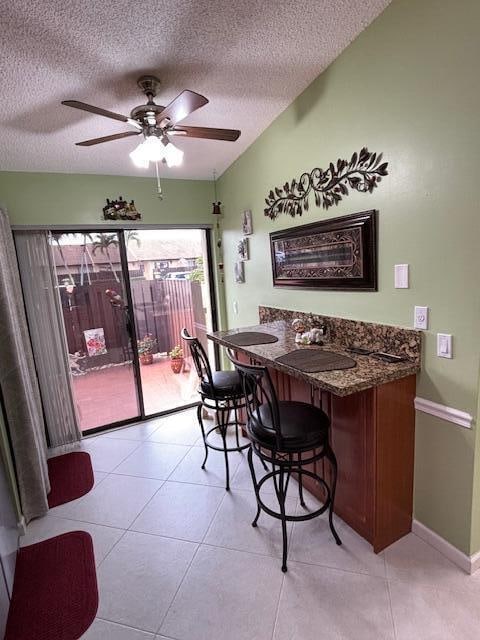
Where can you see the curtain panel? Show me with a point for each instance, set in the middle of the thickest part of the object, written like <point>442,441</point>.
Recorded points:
<point>19,385</point>
<point>47,332</point>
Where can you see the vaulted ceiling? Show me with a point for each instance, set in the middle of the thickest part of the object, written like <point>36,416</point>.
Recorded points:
<point>249,58</point>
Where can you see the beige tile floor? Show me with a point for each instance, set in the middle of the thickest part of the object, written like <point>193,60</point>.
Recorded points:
<point>177,558</point>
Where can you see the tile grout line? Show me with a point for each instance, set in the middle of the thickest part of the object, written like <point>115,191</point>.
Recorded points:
<point>277,608</point>
<point>126,457</point>
<point>149,501</point>
<point>157,632</point>
<point>395,635</point>
<point>180,461</point>
<point>81,498</point>
<point>127,626</point>
<point>143,509</point>
<point>110,525</point>
<point>106,556</point>
<point>214,516</point>
<point>95,524</point>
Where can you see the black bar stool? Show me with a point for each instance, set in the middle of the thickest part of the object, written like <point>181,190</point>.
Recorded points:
<point>221,391</point>
<point>280,433</point>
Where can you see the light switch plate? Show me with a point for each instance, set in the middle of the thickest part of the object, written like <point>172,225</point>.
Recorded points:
<point>421,318</point>
<point>444,345</point>
<point>235,307</point>
<point>401,276</point>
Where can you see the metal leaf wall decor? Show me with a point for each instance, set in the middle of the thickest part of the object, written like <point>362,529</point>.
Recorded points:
<point>362,173</point>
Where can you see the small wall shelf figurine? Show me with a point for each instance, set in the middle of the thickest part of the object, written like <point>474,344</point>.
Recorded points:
<point>120,210</point>
<point>361,173</point>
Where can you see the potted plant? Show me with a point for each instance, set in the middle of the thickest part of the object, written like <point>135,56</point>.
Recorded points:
<point>176,359</point>
<point>145,348</point>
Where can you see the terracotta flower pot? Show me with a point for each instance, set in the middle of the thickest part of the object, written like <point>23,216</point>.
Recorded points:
<point>176,364</point>
<point>146,358</point>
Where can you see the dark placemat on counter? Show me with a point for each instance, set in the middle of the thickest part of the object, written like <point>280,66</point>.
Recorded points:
<point>316,360</point>
<point>248,338</point>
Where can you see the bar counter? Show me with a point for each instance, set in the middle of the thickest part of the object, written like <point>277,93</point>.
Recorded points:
<point>371,410</point>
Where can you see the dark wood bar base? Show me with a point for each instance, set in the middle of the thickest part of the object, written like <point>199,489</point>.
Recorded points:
<point>373,437</point>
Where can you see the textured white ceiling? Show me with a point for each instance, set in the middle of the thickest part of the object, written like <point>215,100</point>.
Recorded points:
<point>250,58</point>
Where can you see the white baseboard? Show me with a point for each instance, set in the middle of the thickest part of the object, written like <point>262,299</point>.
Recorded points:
<point>469,564</point>
<point>450,414</point>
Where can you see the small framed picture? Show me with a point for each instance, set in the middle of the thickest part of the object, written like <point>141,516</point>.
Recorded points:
<point>242,249</point>
<point>239,272</point>
<point>247,225</point>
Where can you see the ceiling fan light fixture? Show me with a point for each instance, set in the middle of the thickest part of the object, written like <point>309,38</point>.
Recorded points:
<point>173,155</point>
<point>138,157</point>
<point>153,149</point>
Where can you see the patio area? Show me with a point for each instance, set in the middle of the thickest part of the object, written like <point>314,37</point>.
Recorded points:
<point>109,395</point>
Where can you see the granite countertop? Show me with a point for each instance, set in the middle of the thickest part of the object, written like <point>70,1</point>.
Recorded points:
<point>368,373</point>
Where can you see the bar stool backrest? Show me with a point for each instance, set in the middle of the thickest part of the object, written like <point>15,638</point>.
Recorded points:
<point>259,392</point>
<point>200,359</point>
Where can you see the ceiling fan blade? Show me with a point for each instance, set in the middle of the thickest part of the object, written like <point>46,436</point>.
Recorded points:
<point>115,136</point>
<point>97,110</point>
<point>206,132</point>
<point>183,105</point>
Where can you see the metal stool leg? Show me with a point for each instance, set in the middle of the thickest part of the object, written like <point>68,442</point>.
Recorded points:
<point>281,501</point>
<point>300,481</point>
<point>223,421</point>
<point>333,461</point>
<point>255,486</point>
<point>235,417</point>
<point>200,422</point>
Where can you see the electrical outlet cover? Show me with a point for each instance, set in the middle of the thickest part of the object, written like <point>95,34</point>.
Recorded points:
<point>421,318</point>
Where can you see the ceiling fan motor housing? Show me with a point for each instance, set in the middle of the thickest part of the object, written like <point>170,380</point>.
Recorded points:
<point>149,85</point>
<point>141,112</point>
<point>145,113</point>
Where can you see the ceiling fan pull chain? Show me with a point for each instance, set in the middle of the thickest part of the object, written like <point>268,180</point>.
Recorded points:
<point>159,186</point>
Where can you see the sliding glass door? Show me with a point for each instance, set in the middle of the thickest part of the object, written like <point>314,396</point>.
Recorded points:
<point>170,290</point>
<point>97,321</point>
<point>125,297</point>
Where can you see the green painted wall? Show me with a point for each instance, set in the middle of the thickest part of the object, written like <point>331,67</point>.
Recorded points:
<point>475,531</point>
<point>407,87</point>
<point>60,198</point>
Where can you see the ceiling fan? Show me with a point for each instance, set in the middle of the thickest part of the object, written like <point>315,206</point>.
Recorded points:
<point>157,124</point>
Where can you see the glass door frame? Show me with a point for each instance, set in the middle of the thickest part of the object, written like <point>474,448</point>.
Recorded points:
<point>131,329</point>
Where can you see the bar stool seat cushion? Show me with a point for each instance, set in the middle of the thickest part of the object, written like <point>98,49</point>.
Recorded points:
<point>302,425</point>
<point>226,383</point>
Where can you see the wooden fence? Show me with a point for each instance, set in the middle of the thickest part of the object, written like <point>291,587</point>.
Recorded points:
<point>164,307</point>
<point>160,307</point>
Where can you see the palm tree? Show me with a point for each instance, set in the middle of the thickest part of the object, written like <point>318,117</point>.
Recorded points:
<point>57,237</point>
<point>102,243</point>
<point>132,236</point>
<point>85,256</point>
